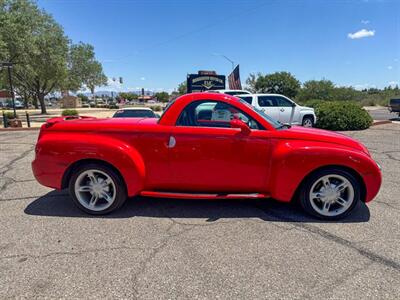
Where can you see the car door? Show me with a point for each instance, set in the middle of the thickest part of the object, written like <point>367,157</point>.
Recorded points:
<point>269,105</point>
<point>206,155</point>
<point>287,109</point>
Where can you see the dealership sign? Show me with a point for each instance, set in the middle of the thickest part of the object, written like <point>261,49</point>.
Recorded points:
<point>205,81</point>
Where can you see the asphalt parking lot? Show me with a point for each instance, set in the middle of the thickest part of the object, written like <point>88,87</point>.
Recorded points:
<point>168,249</point>
<point>382,113</point>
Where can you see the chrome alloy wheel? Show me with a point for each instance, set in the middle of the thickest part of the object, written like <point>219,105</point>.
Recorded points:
<point>307,123</point>
<point>95,190</point>
<point>331,195</point>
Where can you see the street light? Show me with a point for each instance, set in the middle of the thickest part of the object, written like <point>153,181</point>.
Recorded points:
<point>227,58</point>
<point>9,65</point>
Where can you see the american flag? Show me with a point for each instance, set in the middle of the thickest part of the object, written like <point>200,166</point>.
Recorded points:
<point>234,79</point>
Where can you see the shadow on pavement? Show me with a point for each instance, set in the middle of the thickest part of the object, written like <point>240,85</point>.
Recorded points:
<point>58,204</point>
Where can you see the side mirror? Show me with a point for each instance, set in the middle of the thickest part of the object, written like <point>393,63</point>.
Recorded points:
<point>236,123</point>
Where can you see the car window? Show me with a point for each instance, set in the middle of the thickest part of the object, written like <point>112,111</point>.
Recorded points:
<point>248,99</point>
<point>137,113</point>
<point>283,102</point>
<point>276,124</point>
<point>394,101</point>
<point>213,114</point>
<point>267,101</point>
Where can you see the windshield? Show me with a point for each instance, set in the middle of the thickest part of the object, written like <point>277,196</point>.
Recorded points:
<point>276,124</point>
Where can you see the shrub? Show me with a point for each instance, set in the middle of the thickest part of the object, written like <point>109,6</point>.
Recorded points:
<point>69,112</point>
<point>311,103</point>
<point>9,115</point>
<point>156,108</point>
<point>342,116</point>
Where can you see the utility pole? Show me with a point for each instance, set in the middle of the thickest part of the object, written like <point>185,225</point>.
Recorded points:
<point>9,66</point>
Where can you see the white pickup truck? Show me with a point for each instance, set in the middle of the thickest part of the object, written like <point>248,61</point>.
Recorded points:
<point>282,109</point>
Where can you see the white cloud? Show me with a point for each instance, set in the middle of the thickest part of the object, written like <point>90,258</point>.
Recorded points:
<point>361,34</point>
<point>393,83</point>
<point>84,89</point>
<point>396,59</point>
<point>389,67</point>
<point>112,85</point>
<point>365,22</point>
<point>142,78</point>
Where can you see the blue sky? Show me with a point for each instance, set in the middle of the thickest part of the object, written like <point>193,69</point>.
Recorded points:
<point>155,43</point>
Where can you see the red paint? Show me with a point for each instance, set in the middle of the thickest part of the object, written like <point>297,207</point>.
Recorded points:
<point>206,160</point>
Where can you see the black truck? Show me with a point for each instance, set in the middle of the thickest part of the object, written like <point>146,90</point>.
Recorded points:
<point>394,105</point>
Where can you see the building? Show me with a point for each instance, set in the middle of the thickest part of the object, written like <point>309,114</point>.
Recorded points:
<point>71,102</point>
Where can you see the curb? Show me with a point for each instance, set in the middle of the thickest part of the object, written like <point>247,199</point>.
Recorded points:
<point>20,129</point>
<point>381,122</point>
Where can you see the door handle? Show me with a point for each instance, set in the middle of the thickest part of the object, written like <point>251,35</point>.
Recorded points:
<point>282,109</point>
<point>171,142</point>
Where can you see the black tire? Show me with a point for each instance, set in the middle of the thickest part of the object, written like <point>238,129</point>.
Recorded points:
<point>307,120</point>
<point>304,194</point>
<point>120,189</point>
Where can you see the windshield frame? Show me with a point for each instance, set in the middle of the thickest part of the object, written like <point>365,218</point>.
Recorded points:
<point>274,123</point>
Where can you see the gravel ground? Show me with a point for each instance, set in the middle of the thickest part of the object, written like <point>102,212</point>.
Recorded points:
<point>169,249</point>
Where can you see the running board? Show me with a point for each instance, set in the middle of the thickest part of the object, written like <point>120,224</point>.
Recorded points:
<point>202,196</point>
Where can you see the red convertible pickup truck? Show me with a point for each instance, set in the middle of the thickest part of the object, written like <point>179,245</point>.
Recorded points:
<point>204,146</point>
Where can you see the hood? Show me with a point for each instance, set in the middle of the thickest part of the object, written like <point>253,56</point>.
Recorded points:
<point>306,108</point>
<point>320,135</point>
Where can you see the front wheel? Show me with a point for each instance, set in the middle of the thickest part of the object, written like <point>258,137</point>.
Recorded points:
<point>330,194</point>
<point>308,121</point>
<point>97,189</point>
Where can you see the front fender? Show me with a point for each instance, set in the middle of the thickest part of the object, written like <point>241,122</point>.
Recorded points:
<point>293,160</point>
<point>56,152</point>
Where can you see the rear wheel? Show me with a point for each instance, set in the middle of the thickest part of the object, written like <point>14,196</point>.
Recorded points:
<point>330,194</point>
<point>97,189</point>
<point>308,121</point>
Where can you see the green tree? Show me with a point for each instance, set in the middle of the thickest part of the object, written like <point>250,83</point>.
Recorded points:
<point>279,82</point>
<point>83,97</point>
<point>162,96</point>
<point>182,88</point>
<point>128,96</point>
<point>36,44</point>
<point>316,89</point>
<point>43,59</point>
<point>84,69</point>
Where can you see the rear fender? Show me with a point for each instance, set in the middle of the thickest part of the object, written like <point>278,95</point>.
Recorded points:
<point>65,149</point>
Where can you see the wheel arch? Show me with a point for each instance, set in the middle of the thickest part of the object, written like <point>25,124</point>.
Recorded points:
<point>363,188</point>
<point>308,115</point>
<point>69,171</point>
<point>63,152</point>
